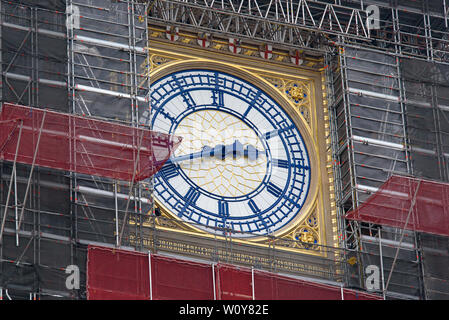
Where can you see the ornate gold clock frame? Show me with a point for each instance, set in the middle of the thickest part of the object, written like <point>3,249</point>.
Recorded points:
<point>301,92</point>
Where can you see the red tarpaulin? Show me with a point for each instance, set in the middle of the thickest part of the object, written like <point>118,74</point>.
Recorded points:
<point>393,202</point>
<point>270,286</point>
<point>83,145</point>
<point>233,283</point>
<point>118,275</point>
<point>176,279</point>
<point>359,295</point>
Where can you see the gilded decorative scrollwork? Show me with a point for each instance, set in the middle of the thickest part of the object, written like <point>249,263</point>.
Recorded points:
<point>278,83</point>
<point>306,238</point>
<point>312,221</point>
<point>157,61</point>
<point>297,91</point>
<point>166,222</point>
<point>307,234</point>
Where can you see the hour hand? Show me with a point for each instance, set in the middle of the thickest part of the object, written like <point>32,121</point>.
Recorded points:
<point>221,151</point>
<point>236,149</point>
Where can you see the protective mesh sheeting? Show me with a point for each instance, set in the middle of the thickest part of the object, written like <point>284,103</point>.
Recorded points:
<point>370,121</point>
<point>233,283</point>
<point>83,145</point>
<point>426,87</point>
<point>349,294</point>
<point>110,66</point>
<point>117,275</point>
<point>175,279</point>
<point>46,4</point>
<point>34,53</point>
<point>435,258</point>
<point>274,287</point>
<point>391,205</point>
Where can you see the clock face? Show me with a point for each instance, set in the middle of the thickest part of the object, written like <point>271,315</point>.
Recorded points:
<point>242,164</point>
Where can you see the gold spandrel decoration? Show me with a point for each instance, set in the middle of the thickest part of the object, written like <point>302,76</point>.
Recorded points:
<point>278,83</point>
<point>305,236</point>
<point>165,221</point>
<point>157,61</point>
<point>297,91</point>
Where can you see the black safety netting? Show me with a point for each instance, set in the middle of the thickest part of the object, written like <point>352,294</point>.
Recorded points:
<point>427,103</point>
<point>394,121</point>
<point>372,119</point>
<point>104,76</point>
<point>34,63</point>
<point>435,253</point>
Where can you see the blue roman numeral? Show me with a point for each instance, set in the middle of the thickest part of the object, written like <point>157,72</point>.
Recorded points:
<point>285,164</point>
<point>253,206</point>
<point>191,196</point>
<point>223,209</point>
<point>281,163</point>
<point>274,190</point>
<point>189,199</point>
<point>169,171</point>
<point>217,97</point>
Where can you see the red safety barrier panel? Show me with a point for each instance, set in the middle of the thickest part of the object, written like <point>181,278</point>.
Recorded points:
<point>391,205</point>
<point>349,294</point>
<point>84,145</point>
<point>270,286</point>
<point>175,279</point>
<point>121,275</point>
<point>233,283</point>
<point>117,275</point>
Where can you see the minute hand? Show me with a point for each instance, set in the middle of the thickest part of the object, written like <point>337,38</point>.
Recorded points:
<point>221,152</point>
<point>274,133</point>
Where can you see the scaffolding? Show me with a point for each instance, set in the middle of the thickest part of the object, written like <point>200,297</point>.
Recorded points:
<point>417,29</point>
<point>387,91</point>
<point>411,205</point>
<point>88,60</point>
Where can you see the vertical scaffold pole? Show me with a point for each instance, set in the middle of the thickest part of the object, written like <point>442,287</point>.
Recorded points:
<point>381,263</point>
<point>10,183</point>
<point>149,275</point>
<point>130,193</point>
<point>213,281</point>
<point>116,215</point>
<point>16,215</point>
<point>32,169</point>
<point>412,205</point>
<point>252,284</point>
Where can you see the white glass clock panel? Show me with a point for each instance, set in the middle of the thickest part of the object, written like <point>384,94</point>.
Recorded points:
<point>242,164</point>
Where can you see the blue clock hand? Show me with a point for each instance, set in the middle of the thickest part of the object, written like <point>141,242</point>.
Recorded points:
<point>236,149</point>
<point>275,133</point>
<point>221,152</point>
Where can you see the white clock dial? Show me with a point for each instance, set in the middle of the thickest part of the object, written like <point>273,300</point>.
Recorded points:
<point>242,164</point>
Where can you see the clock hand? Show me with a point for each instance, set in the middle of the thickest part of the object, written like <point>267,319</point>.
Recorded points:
<point>221,151</point>
<point>275,133</point>
<point>236,149</point>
